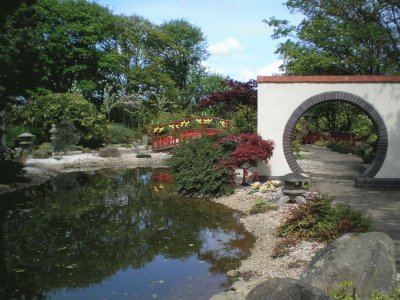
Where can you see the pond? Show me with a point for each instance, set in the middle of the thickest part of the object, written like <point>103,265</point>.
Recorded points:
<point>115,234</point>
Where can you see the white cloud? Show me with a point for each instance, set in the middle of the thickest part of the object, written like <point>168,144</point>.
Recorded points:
<point>225,48</point>
<point>267,70</point>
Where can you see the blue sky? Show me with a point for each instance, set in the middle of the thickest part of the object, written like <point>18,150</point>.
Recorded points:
<point>239,43</point>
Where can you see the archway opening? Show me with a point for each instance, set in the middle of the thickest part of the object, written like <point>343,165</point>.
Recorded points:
<point>334,139</point>
<point>349,103</point>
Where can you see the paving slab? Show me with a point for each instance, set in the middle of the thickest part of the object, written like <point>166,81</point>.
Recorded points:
<point>333,174</point>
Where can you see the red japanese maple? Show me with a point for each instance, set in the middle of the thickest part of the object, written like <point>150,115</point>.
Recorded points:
<point>248,149</point>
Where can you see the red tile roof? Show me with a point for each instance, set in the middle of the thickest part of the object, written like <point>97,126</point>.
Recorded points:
<point>329,79</point>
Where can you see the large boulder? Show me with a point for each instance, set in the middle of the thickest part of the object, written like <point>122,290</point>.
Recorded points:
<point>286,289</point>
<point>366,260</point>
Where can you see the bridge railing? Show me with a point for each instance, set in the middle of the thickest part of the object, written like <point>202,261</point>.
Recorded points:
<point>167,136</point>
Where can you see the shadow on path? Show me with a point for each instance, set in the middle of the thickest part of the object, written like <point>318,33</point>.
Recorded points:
<point>333,174</point>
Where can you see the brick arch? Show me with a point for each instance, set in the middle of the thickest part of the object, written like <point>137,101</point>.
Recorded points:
<point>382,142</point>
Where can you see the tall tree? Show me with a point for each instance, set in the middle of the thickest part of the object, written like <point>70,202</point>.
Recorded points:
<point>18,56</point>
<point>187,52</point>
<point>340,37</point>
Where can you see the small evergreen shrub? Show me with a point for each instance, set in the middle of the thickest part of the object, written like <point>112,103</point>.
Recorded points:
<point>201,168</point>
<point>296,145</point>
<point>260,205</point>
<point>65,137</point>
<point>142,155</point>
<point>319,220</point>
<point>244,120</point>
<point>109,151</point>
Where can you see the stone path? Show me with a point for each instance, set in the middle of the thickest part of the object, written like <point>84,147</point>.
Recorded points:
<point>333,174</point>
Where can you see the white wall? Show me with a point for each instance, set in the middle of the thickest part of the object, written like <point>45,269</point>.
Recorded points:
<point>277,102</point>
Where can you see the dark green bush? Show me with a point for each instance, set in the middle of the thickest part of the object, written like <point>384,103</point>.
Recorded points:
<point>141,155</point>
<point>319,220</point>
<point>65,137</point>
<point>119,134</point>
<point>244,120</point>
<point>199,168</point>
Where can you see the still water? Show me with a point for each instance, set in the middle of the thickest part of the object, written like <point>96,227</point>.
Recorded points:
<point>115,234</point>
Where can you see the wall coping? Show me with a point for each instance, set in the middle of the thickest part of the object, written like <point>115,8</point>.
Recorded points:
<point>329,79</point>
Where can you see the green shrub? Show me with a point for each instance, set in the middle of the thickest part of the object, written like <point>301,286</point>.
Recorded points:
<point>141,155</point>
<point>200,168</point>
<point>343,147</point>
<point>42,154</point>
<point>43,111</point>
<point>260,205</point>
<point>319,220</point>
<point>119,134</point>
<point>65,137</point>
<point>296,146</point>
<point>109,151</point>
<point>244,120</point>
<point>345,292</point>
<point>321,143</point>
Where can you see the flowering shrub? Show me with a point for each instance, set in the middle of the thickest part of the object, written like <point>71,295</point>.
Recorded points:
<point>255,185</point>
<point>268,186</point>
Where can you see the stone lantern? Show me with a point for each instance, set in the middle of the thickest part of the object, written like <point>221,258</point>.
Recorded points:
<point>26,141</point>
<point>52,132</point>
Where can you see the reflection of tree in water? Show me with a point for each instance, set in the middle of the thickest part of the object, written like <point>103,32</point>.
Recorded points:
<point>80,229</point>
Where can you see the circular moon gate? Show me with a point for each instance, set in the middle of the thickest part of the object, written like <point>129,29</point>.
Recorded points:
<point>382,142</point>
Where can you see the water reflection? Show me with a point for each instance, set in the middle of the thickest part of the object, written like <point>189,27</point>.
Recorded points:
<point>75,235</point>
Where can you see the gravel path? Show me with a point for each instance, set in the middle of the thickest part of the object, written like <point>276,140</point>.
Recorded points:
<point>260,265</point>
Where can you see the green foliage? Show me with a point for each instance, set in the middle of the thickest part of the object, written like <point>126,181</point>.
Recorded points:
<point>109,151</point>
<point>65,137</point>
<point>346,291</point>
<point>321,143</point>
<point>199,168</point>
<point>142,155</point>
<point>343,147</point>
<point>119,134</point>
<point>50,109</point>
<point>44,150</point>
<point>347,37</point>
<point>41,154</point>
<point>296,146</point>
<point>244,120</point>
<point>318,219</point>
<point>260,205</point>
<point>13,132</point>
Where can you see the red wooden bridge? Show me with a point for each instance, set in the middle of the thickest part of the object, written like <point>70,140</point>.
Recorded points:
<point>167,136</point>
